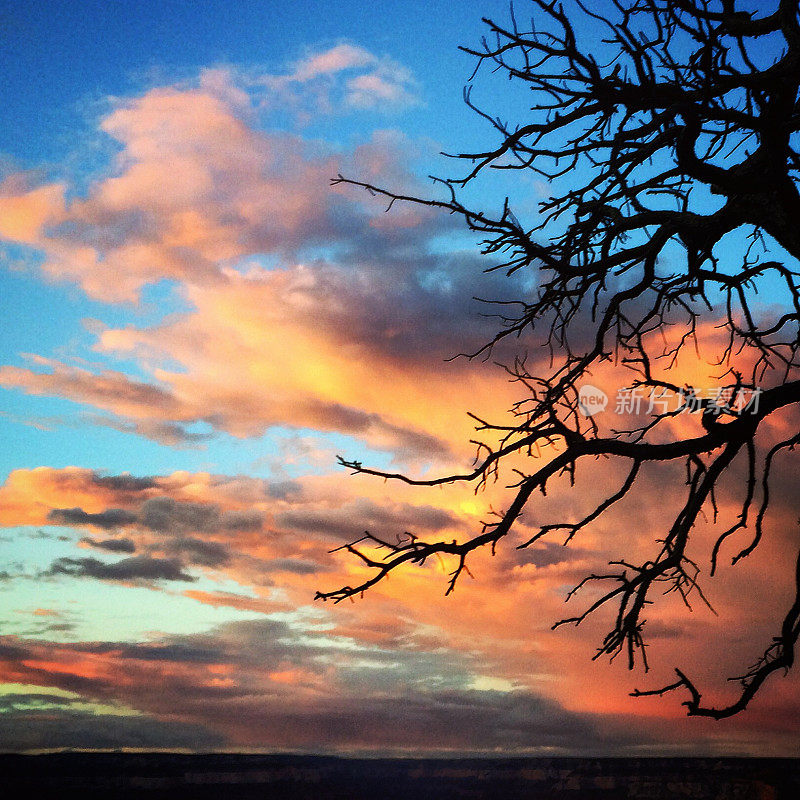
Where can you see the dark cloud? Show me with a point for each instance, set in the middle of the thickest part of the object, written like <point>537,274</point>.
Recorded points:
<point>202,553</point>
<point>354,518</point>
<point>376,699</point>
<point>402,440</point>
<point>656,629</point>
<point>12,651</point>
<point>411,304</point>
<point>406,697</point>
<point>546,554</point>
<point>283,490</point>
<point>15,701</point>
<point>163,514</point>
<point>135,568</point>
<point>124,483</point>
<point>17,570</point>
<point>123,545</point>
<point>110,518</point>
<point>449,720</point>
<point>40,534</point>
<point>180,650</point>
<point>460,721</point>
<point>51,722</point>
<point>57,627</point>
<point>171,434</point>
<point>294,565</point>
<point>240,521</point>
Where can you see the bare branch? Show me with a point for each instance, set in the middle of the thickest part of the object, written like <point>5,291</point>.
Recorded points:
<point>671,153</point>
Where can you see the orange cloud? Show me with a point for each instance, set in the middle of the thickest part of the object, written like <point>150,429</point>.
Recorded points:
<point>289,347</point>
<point>238,601</point>
<point>501,619</point>
<point>24,212</point>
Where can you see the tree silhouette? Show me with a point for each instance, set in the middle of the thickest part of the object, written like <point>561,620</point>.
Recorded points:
<point>671,146</point>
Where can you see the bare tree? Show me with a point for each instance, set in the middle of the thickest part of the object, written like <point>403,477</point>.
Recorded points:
<point>671,146</point>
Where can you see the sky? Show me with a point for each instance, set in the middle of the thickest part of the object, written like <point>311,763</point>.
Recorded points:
<point>196,323</point>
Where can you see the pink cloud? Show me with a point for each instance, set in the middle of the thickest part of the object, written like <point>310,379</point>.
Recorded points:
<point>194,189</point>
<point>198,195</point>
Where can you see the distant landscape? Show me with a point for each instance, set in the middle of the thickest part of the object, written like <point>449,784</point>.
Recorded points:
<point>157,775</point>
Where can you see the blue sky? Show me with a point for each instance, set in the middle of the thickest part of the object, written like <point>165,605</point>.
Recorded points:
<point>60,59</point>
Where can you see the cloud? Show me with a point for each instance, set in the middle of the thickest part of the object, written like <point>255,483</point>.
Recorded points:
<point>336,59</point>
<point>28,496</point>
<point>266,683</point>
<point>128,569</point>
<point>45,612</point>
<point>308,307</point>
<point>358,351</point>
<point>124,484</point>
<point>236,191</point>
<point>404,645</point>
<point>107,390</point>
<point>25,210</point>
<point>156,503</point>
<point>170,434</point>
<point>111,545</point>
<point>354,347</point>
<point>377,88</point>
<point>548,554</point>
<point>294,565</point>
<point>166,514</point>
<point>352,518</point>
<point>351,342</point>
<point>233,600</point>
<point>108,519</point>
<point>263,684</point>
<point>343,77</point>
<point>42,721</point>
<point>87,497</point>
<point>255,533</point>
<point>200,552</point>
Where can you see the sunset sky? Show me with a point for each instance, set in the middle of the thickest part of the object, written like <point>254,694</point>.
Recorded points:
<point>196,324</point>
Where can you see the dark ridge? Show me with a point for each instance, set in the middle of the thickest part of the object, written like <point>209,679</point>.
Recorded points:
<point>296,777</point>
